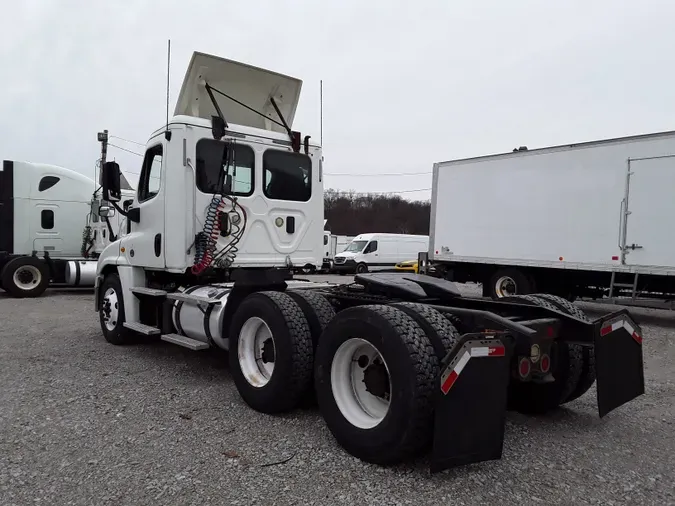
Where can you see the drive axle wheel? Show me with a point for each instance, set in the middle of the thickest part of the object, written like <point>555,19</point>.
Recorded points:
<point>361,383</point>
<point>588,352</point>
<point>270,352</point>
<point>25,277</point>
<point>566,368</point>
<point>375,372</point>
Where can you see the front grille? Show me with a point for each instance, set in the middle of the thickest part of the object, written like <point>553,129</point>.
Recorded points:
<point>340,260</point>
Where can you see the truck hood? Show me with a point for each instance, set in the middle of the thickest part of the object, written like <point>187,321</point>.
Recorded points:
<point>345,254</point>
<point>249,85</point>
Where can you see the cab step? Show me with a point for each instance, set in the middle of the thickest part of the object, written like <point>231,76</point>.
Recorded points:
<point>151,292</point>
<point>192,299</point>
<point>146,330</point>
<point>185,342</point>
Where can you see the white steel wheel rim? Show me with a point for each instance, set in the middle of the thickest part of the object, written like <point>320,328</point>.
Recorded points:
<point>359,406</point>
<point>111,309</point>
<point>27,277</point>
<point>256,341</point>
<point>501,287</point>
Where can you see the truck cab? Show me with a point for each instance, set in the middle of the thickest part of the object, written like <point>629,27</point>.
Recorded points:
<point>241,197</point>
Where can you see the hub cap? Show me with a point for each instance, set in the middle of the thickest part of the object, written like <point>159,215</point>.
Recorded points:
<point>27,277</point>
<point>256,352</point>
<point>505,287</point>
<point>110,309</point>
<point>361,383</point>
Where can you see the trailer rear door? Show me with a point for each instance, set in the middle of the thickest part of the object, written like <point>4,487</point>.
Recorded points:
<point>649,239</point>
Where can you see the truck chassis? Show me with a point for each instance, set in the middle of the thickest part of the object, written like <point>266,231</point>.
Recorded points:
<point>397,362</point>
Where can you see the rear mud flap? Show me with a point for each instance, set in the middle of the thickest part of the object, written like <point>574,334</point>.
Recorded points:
<point>471,403</point>
<point>618,361</point>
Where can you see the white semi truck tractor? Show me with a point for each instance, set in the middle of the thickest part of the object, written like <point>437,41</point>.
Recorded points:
<point>53,225</point>
<point>230,201</point>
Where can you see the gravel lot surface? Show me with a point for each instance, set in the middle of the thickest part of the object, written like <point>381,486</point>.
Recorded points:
<point>84,422</point>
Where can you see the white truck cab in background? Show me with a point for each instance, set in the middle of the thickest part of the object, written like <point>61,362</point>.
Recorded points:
<point>373,252</point>
<point>51,230</point>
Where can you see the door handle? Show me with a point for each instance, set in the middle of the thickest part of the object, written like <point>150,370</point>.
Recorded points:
<point>621,222</point>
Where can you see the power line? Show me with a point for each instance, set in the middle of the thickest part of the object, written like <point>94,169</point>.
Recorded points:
<point>124,149</point>
<point>378,175</point>
<point>382,192</point>
<point>127,140</point>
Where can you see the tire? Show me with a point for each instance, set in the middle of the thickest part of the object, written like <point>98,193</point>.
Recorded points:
<point>317,310</point>
<point>588,352</point>
<point>404,426</point>
<point>441,333</point>
<point>522,283</point>
<point>111,312</point>
<point>283,387</point>
<point>25,277</point>
<point>361,268</point>
<point>566,367</point>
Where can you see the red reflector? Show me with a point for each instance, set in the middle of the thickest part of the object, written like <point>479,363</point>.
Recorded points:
<point>549,331</point>
<point>496,351</point>
<point>637,338</point>
<point>524,367</point>
<point>606,330</point>
<point>560,258</point>
<point>437,252</point>
<point>615,258</point>
<point>545,363</point>
<point>447,384</point>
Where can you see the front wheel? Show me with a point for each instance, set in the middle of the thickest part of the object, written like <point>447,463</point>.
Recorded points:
<point>111,311</point>
<point>361,268</point>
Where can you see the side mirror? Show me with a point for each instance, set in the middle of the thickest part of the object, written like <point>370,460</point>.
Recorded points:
<point>106,212</point>
<point>110,175</point>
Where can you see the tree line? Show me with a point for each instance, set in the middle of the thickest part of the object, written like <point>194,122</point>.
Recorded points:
<point>351,213</point>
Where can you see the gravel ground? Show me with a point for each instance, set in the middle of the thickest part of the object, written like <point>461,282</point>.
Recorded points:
<point>84,422</point>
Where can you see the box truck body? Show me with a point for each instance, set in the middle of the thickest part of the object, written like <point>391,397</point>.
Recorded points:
<point>590,218</point>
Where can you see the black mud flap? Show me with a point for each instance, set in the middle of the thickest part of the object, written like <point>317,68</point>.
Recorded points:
<point>471,403</point>
<point>618,361</point>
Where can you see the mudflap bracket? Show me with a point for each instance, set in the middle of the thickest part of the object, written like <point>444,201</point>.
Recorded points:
<point>471,400</point>
<point>618,361</point>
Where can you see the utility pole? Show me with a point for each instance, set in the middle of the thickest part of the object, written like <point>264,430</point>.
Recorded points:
<point>103,139</point>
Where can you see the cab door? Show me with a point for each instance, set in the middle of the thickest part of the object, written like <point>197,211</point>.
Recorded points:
<point>144,246</point>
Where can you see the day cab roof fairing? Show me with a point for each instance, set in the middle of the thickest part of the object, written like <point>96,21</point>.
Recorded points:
<point>249,92</point>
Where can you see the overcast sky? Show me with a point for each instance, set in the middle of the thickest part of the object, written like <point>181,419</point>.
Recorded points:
<point>403,87</point>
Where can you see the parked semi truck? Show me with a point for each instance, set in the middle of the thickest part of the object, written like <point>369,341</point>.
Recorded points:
<point>582,220</point>
<point>52,227</point>
<point>397,362</point>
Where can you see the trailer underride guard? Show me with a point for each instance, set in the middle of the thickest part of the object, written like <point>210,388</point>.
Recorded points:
<point>453,365</point>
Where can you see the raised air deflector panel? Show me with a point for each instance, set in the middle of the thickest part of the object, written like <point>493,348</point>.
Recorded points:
<point>249,85</point>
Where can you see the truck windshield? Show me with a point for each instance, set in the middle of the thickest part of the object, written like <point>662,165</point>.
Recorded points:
<point>287,176</point>
<point>356,246</point>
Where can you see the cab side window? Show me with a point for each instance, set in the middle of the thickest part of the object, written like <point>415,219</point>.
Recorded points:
<point>151,174</point>
<point>371,248</point>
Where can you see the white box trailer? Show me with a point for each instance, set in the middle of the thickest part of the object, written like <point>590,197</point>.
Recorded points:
<point>589,219</point>
<point>50,228</point>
